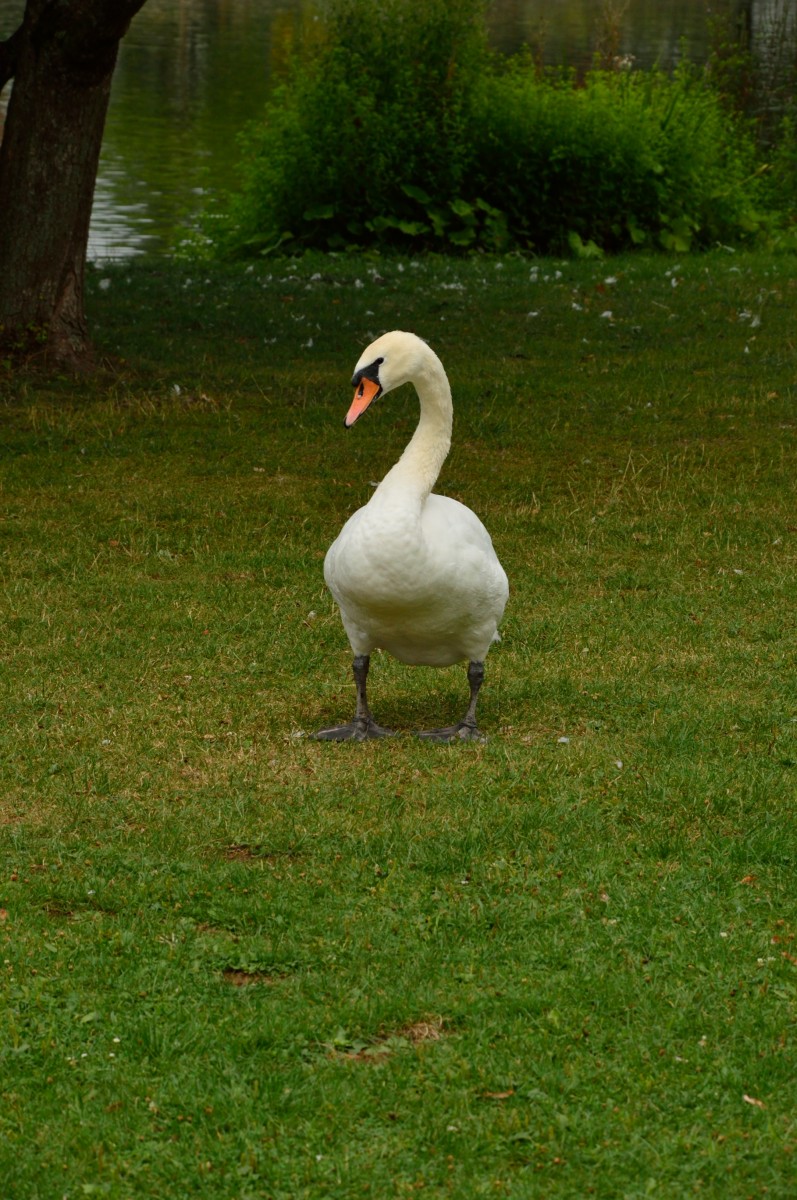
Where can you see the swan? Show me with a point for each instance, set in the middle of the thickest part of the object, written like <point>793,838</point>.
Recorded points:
<point>413,573</point>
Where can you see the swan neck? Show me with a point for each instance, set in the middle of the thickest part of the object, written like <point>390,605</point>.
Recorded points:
<point>419,465</point>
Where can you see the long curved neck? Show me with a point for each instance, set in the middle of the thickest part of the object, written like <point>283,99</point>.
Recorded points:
<point>417,470</point>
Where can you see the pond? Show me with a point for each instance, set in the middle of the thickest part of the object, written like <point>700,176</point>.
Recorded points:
<point>191,73</point>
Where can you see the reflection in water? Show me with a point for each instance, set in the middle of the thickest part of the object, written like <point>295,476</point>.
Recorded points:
<point>192,73</point>
<point>118,229</point>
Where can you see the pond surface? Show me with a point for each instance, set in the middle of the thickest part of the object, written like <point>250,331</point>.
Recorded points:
<point>191,73</point>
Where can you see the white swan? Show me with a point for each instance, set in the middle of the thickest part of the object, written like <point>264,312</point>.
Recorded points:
<point>412,572</point>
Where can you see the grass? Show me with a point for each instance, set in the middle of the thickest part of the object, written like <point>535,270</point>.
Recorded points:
<point>238,963</point>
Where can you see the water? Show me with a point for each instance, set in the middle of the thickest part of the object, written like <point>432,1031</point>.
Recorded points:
<point>191,73</point>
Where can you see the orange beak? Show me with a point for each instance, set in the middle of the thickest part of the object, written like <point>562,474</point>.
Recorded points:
<point>366,391</point>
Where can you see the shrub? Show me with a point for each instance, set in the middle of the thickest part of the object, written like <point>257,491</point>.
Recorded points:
<point>401,129</point>
<point>380,105</point>
<point>622,159</point>
<point>780,183</point>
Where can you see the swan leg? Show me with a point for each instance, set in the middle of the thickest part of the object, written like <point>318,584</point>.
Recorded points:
<point>363,727</point>
<point>466,730</point>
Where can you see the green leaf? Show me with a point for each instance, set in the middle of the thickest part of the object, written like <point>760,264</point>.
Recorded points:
<point>674,241</point>
<point>750,223</point>
<point>677,234</point>
<point>583,249</point>
<point>638,236</point>
<point>461,208</point>
<point>416,193</point>
<point>439,219</point>
<point>488,208</point>
<point>412,228</point>
<point>319,212</point>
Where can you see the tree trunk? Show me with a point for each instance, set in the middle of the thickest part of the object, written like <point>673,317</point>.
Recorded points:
<point>62,59</point>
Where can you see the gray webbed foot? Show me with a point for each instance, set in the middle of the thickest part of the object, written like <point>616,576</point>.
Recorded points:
<point>363,728</point>
<point>466,730</point>
<point>462,732</point>
<point>356,731</point>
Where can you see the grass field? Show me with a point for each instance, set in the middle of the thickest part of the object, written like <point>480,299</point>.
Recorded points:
<point>239,963</point>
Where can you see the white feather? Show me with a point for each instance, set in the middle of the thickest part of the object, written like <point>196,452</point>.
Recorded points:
<point>415,573</point>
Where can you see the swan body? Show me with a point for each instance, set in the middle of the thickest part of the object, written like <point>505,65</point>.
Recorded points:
<point>412,572</point>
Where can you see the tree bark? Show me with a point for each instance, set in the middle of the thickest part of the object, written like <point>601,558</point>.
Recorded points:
<point>62,60</point>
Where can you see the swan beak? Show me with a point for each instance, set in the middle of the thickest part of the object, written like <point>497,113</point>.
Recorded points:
<point>366,392</point>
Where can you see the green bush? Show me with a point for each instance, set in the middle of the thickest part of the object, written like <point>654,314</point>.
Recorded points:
<point>381,104</point>
<point>622,159</point>
<point>401,129</point>
<point>780,182</point>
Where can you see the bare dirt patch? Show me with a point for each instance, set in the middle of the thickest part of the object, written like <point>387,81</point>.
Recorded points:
<point>240,853</point>
<point>415,1034</point>
<point>423,1031</point>
<point>238,978</point>
<point>243,852</point>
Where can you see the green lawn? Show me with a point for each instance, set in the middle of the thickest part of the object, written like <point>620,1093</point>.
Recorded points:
<point>237,963</point>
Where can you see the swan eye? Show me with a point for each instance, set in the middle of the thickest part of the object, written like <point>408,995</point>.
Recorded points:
<point>369,374</point>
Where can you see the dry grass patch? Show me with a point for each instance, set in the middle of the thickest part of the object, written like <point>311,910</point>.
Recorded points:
<point>240,853</point>
<point>239,978</point>
<point>416,1033</point>
<point>422,1031</point>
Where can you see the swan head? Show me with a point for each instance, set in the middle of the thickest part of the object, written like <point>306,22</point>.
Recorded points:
<point>393,359</point>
